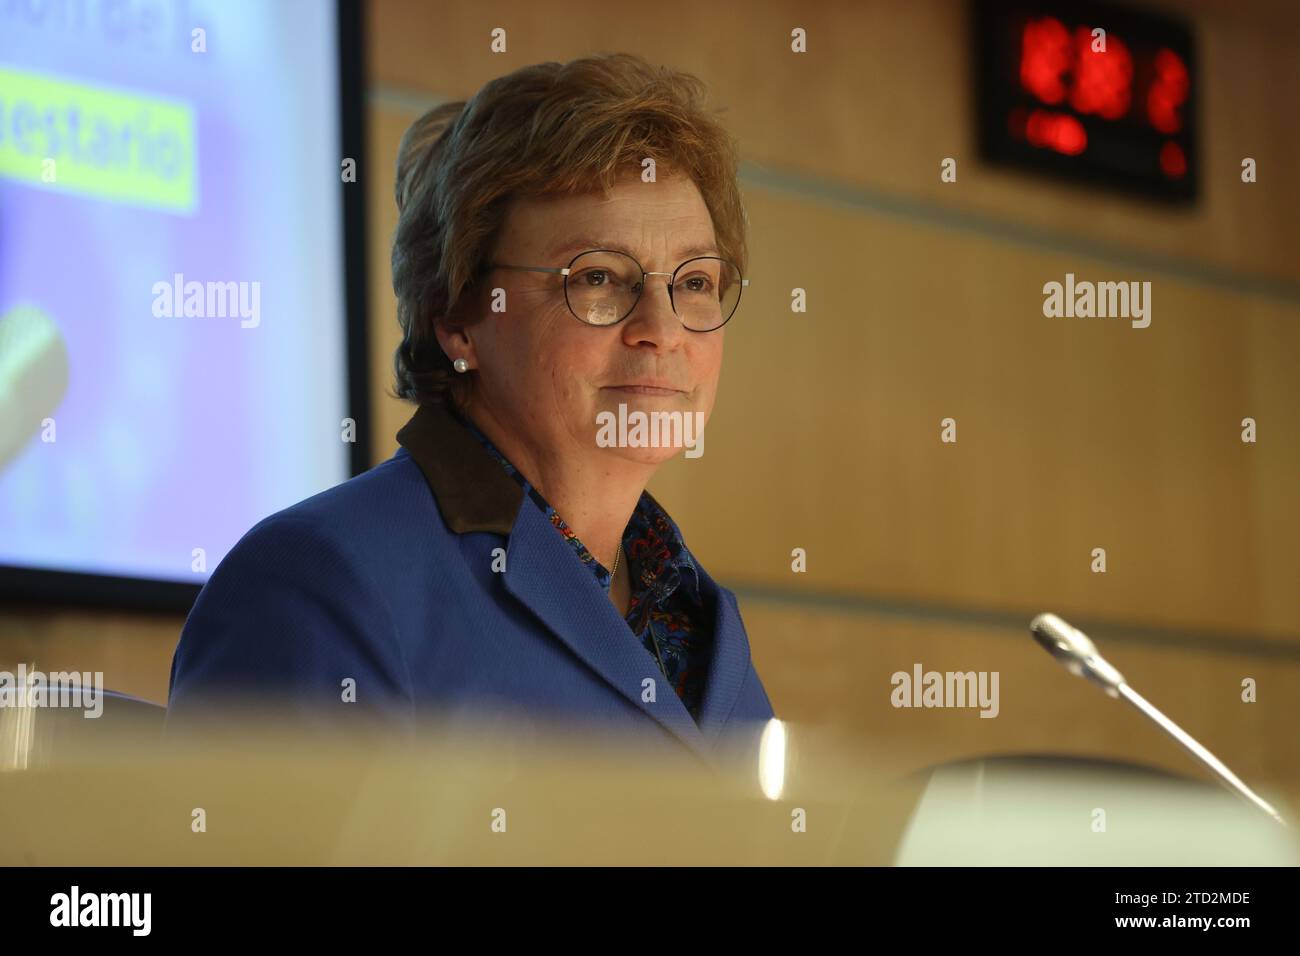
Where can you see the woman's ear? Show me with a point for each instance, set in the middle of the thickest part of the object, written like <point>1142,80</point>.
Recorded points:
<point>455,340</point>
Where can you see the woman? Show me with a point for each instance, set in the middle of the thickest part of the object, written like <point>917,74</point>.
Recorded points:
<point>569,249</point>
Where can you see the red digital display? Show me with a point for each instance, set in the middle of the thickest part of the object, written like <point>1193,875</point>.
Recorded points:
<point>1089,89</point>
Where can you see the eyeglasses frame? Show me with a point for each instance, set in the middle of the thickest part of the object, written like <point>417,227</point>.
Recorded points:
<point>566,270</point>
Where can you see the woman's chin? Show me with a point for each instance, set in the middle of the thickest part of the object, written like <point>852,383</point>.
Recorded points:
<point>644,456</point>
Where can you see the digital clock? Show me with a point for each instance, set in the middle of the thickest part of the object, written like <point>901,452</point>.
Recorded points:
<point>1088,91</point>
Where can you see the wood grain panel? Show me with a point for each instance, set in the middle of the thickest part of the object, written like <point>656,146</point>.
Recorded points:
<point>883,95</point>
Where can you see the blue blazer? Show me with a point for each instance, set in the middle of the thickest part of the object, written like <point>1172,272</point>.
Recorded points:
<point>388,580</point>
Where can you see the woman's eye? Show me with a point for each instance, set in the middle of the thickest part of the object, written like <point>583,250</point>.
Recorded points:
<point>696,284</point>
<point>595,277</point>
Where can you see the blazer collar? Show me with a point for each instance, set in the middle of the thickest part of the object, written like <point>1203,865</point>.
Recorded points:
<point>473,492</point>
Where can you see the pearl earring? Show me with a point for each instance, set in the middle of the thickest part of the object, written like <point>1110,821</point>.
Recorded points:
<point>460,365</point>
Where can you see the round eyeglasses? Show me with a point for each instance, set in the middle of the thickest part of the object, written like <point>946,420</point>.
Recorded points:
<point>603,286</point>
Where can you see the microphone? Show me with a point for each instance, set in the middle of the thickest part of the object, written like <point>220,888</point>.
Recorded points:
<point>1080,657</point>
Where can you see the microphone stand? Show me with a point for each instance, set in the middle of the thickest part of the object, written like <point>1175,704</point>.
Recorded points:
<point>1080,657</point>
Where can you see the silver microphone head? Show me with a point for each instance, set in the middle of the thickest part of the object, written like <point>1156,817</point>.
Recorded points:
<point>1076,652</point>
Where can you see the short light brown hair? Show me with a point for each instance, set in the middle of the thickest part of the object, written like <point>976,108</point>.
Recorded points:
<point>552,128</point>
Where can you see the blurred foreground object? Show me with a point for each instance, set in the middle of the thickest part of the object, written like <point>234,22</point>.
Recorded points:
<point>524,795</point>
<point>1057,811</point>
<point>461,796</point>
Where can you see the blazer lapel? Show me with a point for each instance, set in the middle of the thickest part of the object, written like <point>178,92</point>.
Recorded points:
<point>474,493</point>
<point>729,664</point>
<point>543,572</point>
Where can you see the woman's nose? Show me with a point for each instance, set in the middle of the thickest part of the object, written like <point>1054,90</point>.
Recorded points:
<point>653,320</point>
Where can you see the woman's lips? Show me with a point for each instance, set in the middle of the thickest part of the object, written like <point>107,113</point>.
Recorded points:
<point>646,390</point>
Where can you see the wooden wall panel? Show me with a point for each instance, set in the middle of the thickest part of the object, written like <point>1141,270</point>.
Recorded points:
<point>1072,433</point>
<point>883,94</point>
